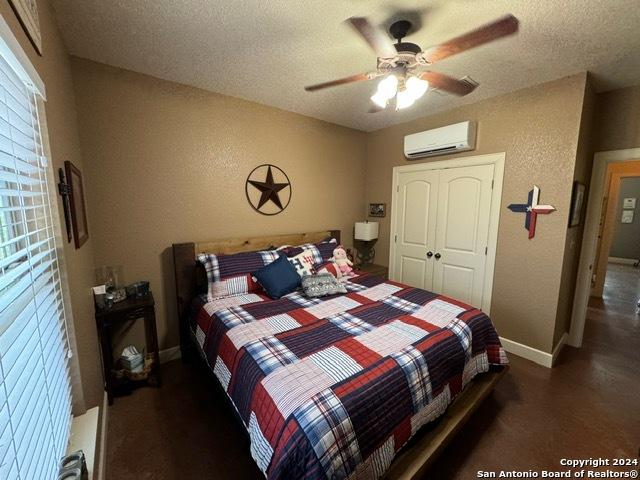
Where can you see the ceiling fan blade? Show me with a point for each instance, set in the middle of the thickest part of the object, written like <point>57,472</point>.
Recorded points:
<point>375,38</point>
<point>447,83</point>
<point>360,77</point>
<point>492,31</point>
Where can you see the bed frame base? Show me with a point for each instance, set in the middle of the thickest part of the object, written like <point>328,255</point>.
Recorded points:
<point>413,462</point>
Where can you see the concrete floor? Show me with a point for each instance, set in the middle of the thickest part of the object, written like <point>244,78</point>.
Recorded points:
<point>587,406</point>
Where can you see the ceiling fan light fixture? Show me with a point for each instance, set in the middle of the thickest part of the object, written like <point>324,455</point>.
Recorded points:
<point>379,99</point>
<point>404,99</point>
<point>388,87</point>
<point>417,87</point>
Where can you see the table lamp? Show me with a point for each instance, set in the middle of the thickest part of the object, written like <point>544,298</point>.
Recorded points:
<point>366,234</point>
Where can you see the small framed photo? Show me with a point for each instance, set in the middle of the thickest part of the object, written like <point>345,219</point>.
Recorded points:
<point>377,209</point>
<point>78,209</point>
<point>577,204</point>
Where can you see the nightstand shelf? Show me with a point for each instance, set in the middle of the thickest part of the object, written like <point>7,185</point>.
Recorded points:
<point>129,310</point>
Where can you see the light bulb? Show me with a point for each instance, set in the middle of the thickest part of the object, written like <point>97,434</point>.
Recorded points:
<point>416,87</point>
<point>404,99</point>
<point>379,99</point>
<point>388,87</point>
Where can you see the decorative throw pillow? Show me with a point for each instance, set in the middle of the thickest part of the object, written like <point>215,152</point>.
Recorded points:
<point>231,274</point>
<point>236,285</point>
<point>303,263</point>
<point>322,285</point>
<point>278,278</point>
<point>321,251</point>
<point>326,267</point>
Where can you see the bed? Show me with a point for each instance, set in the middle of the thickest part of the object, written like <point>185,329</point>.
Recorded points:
<point>366,384</point>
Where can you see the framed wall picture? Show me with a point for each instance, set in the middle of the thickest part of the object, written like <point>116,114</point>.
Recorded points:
<point>377,209</point>
<point>76,199</point>
<point>577,204</point>
<point>27,13</point>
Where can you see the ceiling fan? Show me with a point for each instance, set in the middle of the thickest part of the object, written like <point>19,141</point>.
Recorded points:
<point>404,65</point>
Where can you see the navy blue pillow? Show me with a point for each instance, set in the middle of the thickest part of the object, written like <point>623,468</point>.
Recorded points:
<point>278,278</point>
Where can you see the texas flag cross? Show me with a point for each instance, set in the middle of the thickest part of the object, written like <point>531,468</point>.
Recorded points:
<point>532,209</point>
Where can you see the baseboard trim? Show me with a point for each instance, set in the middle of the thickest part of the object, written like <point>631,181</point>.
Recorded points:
<point>103,438</point>
<point>558,349</point>
<point>538,356</point>
<point>623,261</point>
<point>169,354</point>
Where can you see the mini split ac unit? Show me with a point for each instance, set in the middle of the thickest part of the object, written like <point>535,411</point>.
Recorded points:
<point>458,137</point>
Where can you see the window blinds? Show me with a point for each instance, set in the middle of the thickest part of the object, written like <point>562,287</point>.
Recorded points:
<point>35,392</point>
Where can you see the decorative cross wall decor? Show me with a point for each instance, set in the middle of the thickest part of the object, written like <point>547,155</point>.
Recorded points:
<point>65,192</point>
<point>532,209</point>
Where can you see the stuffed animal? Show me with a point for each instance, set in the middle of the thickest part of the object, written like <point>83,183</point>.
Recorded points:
<point>342,262</point>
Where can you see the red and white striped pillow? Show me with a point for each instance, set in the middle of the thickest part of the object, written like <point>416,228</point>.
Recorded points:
<point>231,274</point>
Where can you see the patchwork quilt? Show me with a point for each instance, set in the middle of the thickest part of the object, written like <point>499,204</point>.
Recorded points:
<point>334,387</point>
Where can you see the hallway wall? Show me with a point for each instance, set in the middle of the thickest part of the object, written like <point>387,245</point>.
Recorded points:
<point>626,239</point>
<point>618,115</point>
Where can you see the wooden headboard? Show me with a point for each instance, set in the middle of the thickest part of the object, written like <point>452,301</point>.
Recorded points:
<point>184,260</point>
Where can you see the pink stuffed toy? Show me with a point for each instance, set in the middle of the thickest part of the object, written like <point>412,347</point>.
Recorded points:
<point>342,262</point>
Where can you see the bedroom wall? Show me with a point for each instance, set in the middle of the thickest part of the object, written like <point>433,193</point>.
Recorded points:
<point>54,69</point>
<point>167,163</point>
<point>538,128</point>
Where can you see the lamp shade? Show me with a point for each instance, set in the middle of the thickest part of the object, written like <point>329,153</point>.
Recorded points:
<point>366,231</point>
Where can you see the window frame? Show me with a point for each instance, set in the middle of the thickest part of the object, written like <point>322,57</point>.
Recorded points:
<point>19,61</point>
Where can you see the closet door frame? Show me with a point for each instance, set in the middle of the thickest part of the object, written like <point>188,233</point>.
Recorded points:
<point>496,159</point>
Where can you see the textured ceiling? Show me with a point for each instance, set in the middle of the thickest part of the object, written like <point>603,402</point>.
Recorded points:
<point>267,51</point>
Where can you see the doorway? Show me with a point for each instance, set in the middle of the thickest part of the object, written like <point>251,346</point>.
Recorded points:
<point>444,225</point>
<point>606,213</point>
<point>619,230</point>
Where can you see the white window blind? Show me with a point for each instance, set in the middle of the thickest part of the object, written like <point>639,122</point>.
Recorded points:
<point>35,392</point>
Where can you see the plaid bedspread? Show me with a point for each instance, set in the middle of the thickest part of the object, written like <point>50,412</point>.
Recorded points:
<point>333,388</point>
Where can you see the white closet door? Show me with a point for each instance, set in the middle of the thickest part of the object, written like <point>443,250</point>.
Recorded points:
<point>464,207</point>
<point>415,227</point>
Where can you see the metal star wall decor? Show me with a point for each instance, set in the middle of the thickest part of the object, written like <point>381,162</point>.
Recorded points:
<point>532,209</point>
<point>268,189</point>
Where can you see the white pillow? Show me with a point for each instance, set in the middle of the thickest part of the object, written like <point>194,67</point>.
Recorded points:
<point>303,263</point>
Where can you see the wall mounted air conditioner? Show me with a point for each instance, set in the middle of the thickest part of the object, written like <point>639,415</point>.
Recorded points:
<point>458,137</point>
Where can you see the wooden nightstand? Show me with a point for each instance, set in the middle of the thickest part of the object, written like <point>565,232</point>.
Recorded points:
<point>373,269</point>
<point>128,310</point>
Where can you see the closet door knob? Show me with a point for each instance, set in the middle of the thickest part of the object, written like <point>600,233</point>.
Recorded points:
<point>429,254</point>
<point>437,255</point>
